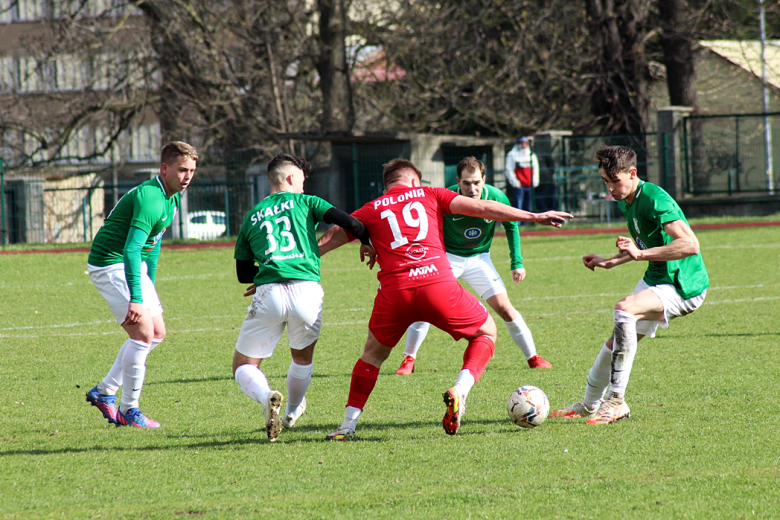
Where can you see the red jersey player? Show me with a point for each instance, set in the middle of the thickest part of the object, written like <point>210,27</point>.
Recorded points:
<point>416,283</point>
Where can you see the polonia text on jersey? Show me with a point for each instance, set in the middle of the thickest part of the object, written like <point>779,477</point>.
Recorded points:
<point>388,201</point>
<point>257,216</point>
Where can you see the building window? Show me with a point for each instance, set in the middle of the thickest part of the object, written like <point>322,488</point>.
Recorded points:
<point>144,142</point>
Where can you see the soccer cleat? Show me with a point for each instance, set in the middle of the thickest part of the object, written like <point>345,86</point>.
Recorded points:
<point>273,425</point>
<point>407,366</point>
<point>105,403</point>
<point>135,417</point>
<point>612,409</point>
<point>289,420</point>
<point>539,362</point>
<point>341,434</point>
<point>576,411</point>
<point>456,406</point>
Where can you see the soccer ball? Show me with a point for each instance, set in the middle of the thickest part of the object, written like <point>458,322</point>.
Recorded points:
<point>528,407</point>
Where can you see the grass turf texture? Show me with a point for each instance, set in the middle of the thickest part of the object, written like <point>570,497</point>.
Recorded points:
<point>702,442</point>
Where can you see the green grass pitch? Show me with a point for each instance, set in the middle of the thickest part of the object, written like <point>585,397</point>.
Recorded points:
<point>703,440</point>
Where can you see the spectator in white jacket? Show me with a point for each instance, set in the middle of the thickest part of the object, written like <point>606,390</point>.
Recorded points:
<point>522,174</point>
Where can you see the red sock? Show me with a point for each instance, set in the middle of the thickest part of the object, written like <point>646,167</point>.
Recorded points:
<point>364,377</point>
<point>477,355</point>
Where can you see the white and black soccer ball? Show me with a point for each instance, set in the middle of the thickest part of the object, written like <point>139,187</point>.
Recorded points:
<point>528,406</point>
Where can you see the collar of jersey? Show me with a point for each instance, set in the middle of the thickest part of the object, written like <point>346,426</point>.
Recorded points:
<point>638,191</point>
<point>162,185</point>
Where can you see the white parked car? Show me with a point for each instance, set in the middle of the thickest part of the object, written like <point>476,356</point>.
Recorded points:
<point>206,225</point>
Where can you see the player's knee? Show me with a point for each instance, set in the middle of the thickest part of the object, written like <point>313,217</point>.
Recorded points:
<point>625,306</point>
<point>507,312</point>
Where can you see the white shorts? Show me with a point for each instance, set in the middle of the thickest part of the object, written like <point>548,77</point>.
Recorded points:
<point>479,273</point>
<point>274,305</point>
<point>112,285</point>
<point>673,303</point>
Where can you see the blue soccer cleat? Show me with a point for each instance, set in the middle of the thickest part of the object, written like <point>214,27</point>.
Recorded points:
<point>135,417</point>
<point>105,403</point>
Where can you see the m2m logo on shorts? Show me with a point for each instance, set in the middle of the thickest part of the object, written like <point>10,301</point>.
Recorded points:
<point>472,233</point>
<point>423,271</point>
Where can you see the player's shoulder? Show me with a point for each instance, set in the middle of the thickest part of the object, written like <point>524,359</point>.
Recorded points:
<point>654,194</point>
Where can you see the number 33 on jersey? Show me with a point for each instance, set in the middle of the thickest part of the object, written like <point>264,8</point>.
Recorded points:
<point>278,234</point>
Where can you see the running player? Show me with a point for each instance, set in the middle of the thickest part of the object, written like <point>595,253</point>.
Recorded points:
<point>467,241</point>
<point>278,234</point>
<point>416,281</point>
<point>675,283</point>
<point>122,264</point>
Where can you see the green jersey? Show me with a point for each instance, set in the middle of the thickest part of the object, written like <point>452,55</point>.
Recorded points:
<point>147,207</point>
<point>278,234</point>
<point>470,236</point>
<point>651,208</point>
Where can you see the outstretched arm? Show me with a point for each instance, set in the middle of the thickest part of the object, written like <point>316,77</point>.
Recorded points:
<point>333,238</point>
<point>594,261</point>
<point>492,210</point>
<point>683,245</point>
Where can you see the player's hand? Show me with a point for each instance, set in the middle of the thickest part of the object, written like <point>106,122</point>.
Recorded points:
<point>134,312</point>
<point>250,291</point>
<point>594,261</point>
<point>627,245</point>
<point>518,275</point>
<point>553,218</point>
<point>368,255</point>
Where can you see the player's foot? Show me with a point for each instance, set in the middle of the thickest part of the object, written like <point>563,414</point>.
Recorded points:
<point>105,403</point>
<point>273,425</point>
<point>576,411</point>
<point>341,434</point>
<point>612,409</point>
<point>539,362</point>
<point>289,420</point>
<point>135,417</point>
<point>407,366</point>
<point>456,406</point>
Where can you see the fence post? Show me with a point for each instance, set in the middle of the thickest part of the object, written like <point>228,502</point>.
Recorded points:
<point>227,212</point>
<point>2,200</point>
<point>84,216</point>
<point>355,175</point>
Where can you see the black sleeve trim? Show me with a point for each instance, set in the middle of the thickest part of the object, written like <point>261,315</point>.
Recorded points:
<point>246,271</point>
<point>348,222</point>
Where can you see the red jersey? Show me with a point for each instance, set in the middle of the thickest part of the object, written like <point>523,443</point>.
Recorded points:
<point>405,225</point>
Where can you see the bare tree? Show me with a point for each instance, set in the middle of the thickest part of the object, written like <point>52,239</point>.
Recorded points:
<point>338,113</point>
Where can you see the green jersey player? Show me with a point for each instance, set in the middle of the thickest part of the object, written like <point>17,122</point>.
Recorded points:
<point>278,235</point>
<point>122,264</point>
<point>467,242</point>
<point>675,283</point>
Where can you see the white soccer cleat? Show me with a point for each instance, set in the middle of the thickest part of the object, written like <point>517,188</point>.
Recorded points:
<point>612,409</point>
<point>341,434</point>
<point>289,420</point>
<point>576,411</point>
<point>273,425</point>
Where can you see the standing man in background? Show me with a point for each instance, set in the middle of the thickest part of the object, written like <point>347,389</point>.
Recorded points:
<point>522,174</point>
<point>122,264</point>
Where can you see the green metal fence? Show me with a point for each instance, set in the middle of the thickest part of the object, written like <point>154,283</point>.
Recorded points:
<point>731,154</point>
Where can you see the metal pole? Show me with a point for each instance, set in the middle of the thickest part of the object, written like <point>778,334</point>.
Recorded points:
<point>84,216</point>
<point>770,180</point>
<point>227,212</point>
<point>2,200</point>
<point>355,175</point>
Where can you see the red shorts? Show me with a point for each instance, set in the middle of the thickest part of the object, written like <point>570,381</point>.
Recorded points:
<point>445,305</point>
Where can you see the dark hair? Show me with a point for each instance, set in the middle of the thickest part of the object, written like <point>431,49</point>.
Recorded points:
<point>177,149</point>
<point>471,164</point>
<point>284,159</point>
<point>390,171</point>
<point>615,159</point>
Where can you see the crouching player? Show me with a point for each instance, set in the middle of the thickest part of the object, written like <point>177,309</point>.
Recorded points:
<point>467,241</point>
<point>675,283</point>
<point>278,234</point>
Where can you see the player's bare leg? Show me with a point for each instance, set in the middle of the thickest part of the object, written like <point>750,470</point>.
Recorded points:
<point>475,359</point>
<point>364,376</point>
<point>254,384</point>
<point>518,330</point>
<point>298,379</point>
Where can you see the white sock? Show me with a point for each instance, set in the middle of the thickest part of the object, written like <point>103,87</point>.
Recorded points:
<point>623,351</point>
<point>133,372</point>
<point>113,380</point>
<point>298,379</point>
<point>598,377</point>
<point>464,382</point>
<point>415,335</point>
<point>156,342</point>
<point>521,335</point>
<point>253,382</point>
<point>351,415</point>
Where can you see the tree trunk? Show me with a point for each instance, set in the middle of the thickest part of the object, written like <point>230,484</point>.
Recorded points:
<point>338,114</point>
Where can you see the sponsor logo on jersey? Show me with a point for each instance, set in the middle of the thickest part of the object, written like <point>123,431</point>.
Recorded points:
<point>472,233</point>
<point>389,201</point>
<point>258,216</point>
<point>417,272</point>
<point>641,245</point>
<point>416,251</point>
<point>165,218</point>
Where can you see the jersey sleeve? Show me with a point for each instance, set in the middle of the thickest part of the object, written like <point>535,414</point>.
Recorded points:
<point>243,250</point>
<point>444,197</point>
<point>665,209</point>
<point>318,207</point>
<point>147,210</point>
